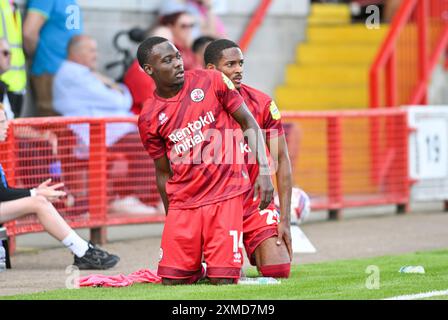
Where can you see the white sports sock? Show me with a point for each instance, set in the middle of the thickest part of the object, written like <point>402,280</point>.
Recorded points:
<point>76,244</point>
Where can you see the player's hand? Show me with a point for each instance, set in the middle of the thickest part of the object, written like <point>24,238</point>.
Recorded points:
<point>50,192</point>
<point>264,189</point>
<point>284,235</point>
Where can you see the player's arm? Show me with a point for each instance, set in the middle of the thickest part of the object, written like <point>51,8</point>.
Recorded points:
<point>163,173</point>
<point>279,152</point>
<point>256,142</point>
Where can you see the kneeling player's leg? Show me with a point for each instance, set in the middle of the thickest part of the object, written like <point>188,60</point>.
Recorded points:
<point>273,260</point>
<point>180,250</point>
<point>260,241</point>
<point>223,235</point>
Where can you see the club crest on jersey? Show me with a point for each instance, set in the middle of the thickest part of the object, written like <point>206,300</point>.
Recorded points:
<point>197,95</point>
<point>163,118</point>
<point>275,113</point>
<point>228,82</point>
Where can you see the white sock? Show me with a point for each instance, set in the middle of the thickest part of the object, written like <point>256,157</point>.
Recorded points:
<point>76,244</point>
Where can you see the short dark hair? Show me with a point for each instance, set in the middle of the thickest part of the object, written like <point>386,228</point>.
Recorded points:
<point>214,50</point>
<point>145,49</point>
<point>200,42</point>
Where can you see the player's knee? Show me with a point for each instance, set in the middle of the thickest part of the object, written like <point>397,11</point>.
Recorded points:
<point>223,281</point>
<point>174,282</point>
<point>276,270</point>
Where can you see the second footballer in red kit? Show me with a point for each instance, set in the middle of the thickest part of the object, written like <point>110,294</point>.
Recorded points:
<point>202,185</point>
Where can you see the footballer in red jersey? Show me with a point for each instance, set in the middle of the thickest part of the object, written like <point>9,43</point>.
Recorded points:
<point>267,234</point>
<point>184,128</point>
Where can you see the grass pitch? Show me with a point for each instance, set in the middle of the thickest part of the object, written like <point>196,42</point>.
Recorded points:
<point>345,279</point>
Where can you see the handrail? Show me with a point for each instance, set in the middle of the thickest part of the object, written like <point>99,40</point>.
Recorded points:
<point>387,47</point>
<point>417,25</point>
<point>254,24</point>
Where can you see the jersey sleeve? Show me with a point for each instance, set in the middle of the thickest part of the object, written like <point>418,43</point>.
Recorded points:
<point>272,120</point>
<point>152,141</point>
<point>43,7</point>
<point>226,92</point>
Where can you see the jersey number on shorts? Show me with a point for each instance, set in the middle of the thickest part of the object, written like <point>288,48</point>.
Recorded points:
<point>272,216</point>
<point>237,243</point>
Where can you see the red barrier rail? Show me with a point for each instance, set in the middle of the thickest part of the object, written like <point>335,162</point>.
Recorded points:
<point>417,38</point>
<point>254,24</point>
<point>111,180</point>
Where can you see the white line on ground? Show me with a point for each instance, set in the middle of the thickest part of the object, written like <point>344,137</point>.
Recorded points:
<point>420,295</point>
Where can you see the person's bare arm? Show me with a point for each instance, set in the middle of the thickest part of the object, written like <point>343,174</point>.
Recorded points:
<point>256,142</point>
<point>31,31</point>
<point>279,152</point>
<point>163,173</point>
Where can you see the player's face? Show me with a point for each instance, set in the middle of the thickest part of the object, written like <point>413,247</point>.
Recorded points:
<point>231,64</point>
<point>166,65</point>
<point>3,125</point>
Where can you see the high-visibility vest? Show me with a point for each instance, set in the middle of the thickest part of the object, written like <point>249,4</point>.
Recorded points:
<point>11,30</point>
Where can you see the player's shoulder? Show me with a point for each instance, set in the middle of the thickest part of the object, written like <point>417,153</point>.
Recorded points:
<point>203,73</point>
<point>149,110</point>
<point>255,94</point>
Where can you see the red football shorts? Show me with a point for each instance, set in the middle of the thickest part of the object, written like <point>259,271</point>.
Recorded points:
<point>259,226</point>
<point>214,232</point>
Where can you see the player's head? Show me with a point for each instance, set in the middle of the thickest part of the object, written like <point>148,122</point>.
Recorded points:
<point>3,123</point>
<point>227,57</point>
<point>161,60</point>
<point>199,46</point>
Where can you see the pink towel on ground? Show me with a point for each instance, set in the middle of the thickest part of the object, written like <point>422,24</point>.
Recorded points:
<point>99,280</point>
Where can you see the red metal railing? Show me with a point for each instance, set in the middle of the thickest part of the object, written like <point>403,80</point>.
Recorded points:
<point>417,38</point>
<point>107,172</point>
<point>333,162</point>
<point>254,24</point>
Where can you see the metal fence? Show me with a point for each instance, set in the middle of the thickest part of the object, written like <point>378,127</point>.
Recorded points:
<point>110,179</point>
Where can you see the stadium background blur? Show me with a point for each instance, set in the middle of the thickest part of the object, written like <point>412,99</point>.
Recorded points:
<point>316,60</point>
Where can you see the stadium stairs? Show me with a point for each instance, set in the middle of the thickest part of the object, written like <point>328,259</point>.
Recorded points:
<point>331,73</point>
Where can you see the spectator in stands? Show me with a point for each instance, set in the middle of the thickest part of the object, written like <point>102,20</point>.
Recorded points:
<point>199,46</point>
<point>22,132</point>
<point>208,24</point>
<point>48,27</point>
<point>5,65</point>
<point>17,203</point>
<point>14,78</point>
<point>139,83</point>
<point>79,90</point>
<point>174,15</point>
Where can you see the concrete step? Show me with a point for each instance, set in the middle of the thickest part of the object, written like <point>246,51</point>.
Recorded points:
<point>293,98</point>
<point>356,34</point>
<point>318,76</point>
<point>320,54</point>
<point>324,14</point>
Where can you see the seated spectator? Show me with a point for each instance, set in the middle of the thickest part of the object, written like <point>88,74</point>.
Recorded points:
<point>17,203</point>
<point>79,90</point>
<point>139,83</point>
<point>199,46</point>
<point>181,24</point>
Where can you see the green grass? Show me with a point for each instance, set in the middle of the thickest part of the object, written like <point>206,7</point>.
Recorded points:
<point>343,279</point>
